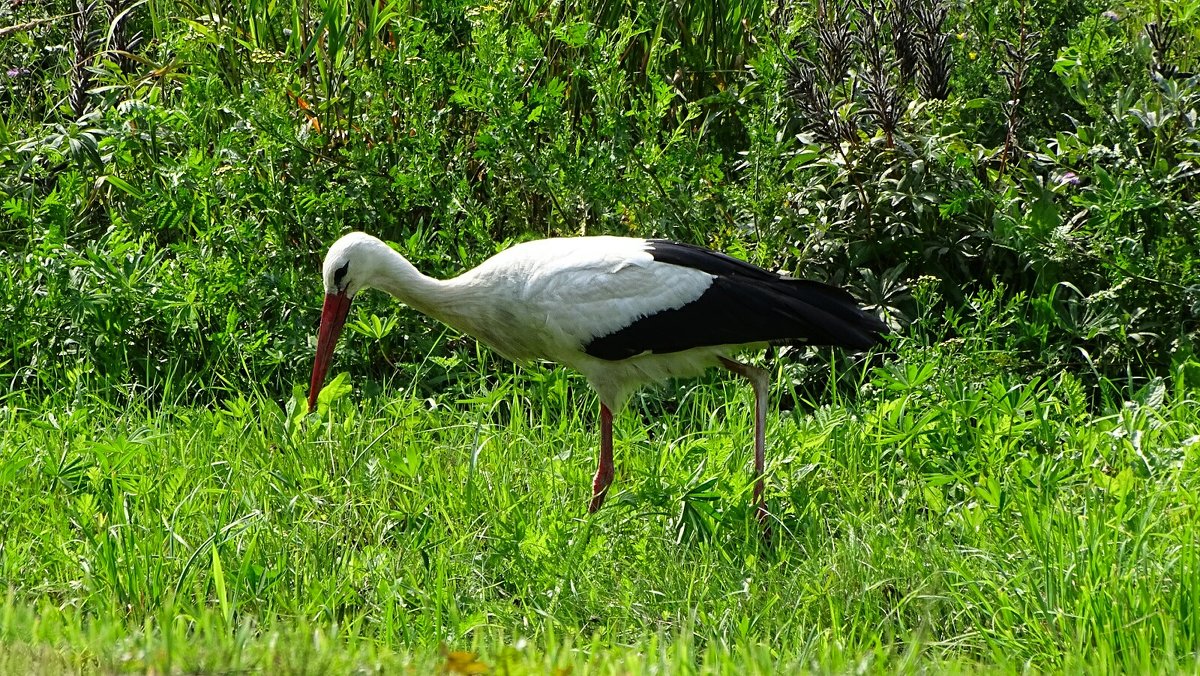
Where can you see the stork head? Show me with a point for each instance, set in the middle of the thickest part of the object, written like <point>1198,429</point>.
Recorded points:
<point>352,262</point>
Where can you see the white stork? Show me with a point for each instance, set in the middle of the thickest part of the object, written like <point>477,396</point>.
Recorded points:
<point>622,311</point>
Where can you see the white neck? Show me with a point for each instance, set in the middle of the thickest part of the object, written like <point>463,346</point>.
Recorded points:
<point>462,302</point>
<point>467,303</point>
<point>409,285</point>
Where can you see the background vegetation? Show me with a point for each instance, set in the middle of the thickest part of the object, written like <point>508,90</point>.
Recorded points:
<point>1012,184</point>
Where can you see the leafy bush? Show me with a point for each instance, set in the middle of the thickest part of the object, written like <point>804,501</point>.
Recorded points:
<point>171,174</point>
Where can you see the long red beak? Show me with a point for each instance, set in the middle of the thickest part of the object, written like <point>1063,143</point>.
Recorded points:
<point>333,317</point>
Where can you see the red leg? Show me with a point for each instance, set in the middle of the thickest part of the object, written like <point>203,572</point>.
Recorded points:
<point>604,469</point>
<point>760,381</point>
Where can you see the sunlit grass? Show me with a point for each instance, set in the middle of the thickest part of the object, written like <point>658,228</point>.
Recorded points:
<point>933,523</point>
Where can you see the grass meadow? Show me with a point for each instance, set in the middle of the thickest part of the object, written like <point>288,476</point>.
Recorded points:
<point>930,524</point>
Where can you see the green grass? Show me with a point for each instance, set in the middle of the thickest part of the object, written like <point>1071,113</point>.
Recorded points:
<point>931,524</point>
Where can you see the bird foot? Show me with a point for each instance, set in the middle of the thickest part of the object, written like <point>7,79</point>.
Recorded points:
<point>764,522</point>
<point>599,490</point>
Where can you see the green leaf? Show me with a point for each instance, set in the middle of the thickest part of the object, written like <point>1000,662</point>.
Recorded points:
<point>574,34</point>
<point>121,184</point>
<point>297,407</point>
<point>218,576</point>
<point>335,389</point>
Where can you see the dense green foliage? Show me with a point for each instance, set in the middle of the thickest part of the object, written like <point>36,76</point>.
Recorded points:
<point>1013,184</point>
<point>171,174</point>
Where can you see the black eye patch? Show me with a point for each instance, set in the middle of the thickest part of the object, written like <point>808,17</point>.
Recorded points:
<point>340,273</point>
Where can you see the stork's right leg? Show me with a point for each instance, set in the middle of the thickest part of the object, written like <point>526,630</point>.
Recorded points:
<point>604,469</point>
<point>761,382</point>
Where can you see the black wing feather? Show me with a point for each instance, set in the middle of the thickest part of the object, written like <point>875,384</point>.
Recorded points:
<point>745,304</point>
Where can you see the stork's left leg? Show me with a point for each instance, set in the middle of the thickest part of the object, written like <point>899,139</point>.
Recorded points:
<point>761,381</point>
<point>604,468</point>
